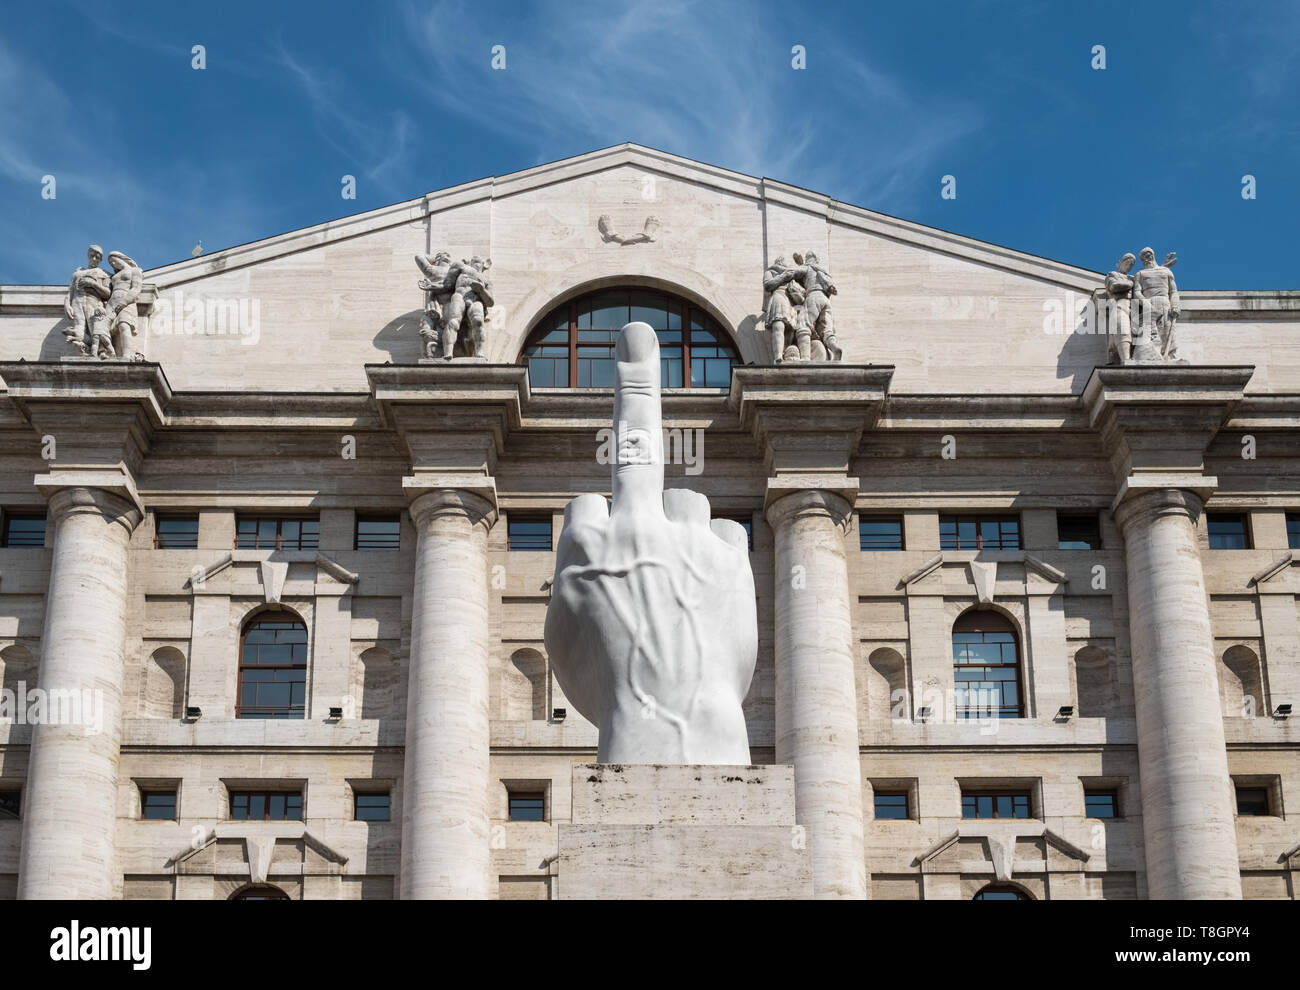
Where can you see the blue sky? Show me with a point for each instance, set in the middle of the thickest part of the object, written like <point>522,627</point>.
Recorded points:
<point>1051,156</point>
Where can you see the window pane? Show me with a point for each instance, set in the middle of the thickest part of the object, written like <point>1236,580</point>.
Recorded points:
<point>891,806</point>
<point>379,533</point>
<point>609,311</point>
<point>1252,801</point>
<point>24,531</point>
<point>373,807</point>
<point>176,532</point>
<point>1227,532</point>
<point>266,529</point>
<point>529,807</point>
<point>880,534</point>
<point>1078,533</point>
<point>10,799</point>
<point>528,533</point>
<point>1099,804</point>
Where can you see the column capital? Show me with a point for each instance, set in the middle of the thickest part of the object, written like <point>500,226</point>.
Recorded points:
<point>429,502</point>
<point>786,502</point>
<point>1151,503</point>
<point>110,493</point>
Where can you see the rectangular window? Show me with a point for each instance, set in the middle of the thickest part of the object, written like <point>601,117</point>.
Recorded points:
<point>528,532</point>
<point>1228,532</point>
<point>747,521</point>
<point>1100,804</point>
<point>877,533</point>
<point>527,806</point>
<point>158,805</point>
<point>1252,801</point>
<point>10,801</point>
<point>1078,532</point>
<point>266,806</point>
<point>176,532</point>
<point>891,805</point>
<point>995,804</point>
<point>277,533</point>
<point>379,533</point>
<point>372,807</point>
<point>1293,530</point>
<point>979,532</point>
<point>24,529</point>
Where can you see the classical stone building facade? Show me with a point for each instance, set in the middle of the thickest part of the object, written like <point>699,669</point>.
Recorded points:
<point>1027,619</point>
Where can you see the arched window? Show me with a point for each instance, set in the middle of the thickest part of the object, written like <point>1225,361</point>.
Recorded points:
<point>273,667</point>
<point>573,345</point>
<point>1001,892</point>
<point>260,892</point>
<point>986,666</point>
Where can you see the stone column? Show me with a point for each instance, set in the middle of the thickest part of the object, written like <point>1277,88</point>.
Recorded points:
<point>70,808</point>
<point>1188,818</point>
<point>816,700</point>
<point>445,843</point>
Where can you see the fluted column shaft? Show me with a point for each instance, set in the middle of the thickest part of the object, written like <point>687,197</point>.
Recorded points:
<point>445,842</point>
<point>1188,819</point>
<point>816,700</point>
<point>70,806</point>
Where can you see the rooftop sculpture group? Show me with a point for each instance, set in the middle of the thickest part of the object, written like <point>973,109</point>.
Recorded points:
<point>457,298</point>
<point>1142,310</point>
<point>102,307</point>
<point>797,310</point>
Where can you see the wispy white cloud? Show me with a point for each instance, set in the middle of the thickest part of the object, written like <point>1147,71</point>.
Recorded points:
<point>704,80</point>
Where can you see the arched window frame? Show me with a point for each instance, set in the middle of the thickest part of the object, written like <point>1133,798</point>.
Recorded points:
<point>965,625</point>
<point>1020,894</point>
<point>272,615</point>
<point>684,316</point>
<point>259,892</point>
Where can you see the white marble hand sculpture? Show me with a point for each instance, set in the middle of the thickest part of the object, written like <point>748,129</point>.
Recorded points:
<point>652,629</point>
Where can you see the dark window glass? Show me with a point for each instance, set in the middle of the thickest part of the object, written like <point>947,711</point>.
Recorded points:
<point>1252,801</point>
<point>176,532</point>
<point>373,807</point>
<point>1293,530</point>
<point>158,805</point>
<point>1078,533</point>
<point>995,804</point>
<point>261,893</point>
<point>979,532</point>
<point>986,667</point>
<point>748,523</point>
<point>266,806</point>
<point>379,532</point>
<point>996,892</point>
<point>891,805</point>
<point>528,532</point>
<point>253,533</point>
<point>527,806</point>
<point>573,345</point>
<point>273,668</point>
<point>24,530</point>
<point>880,534</point>
<point>1100,804</point>
<point>1228,532</point>
<point>10,800</point>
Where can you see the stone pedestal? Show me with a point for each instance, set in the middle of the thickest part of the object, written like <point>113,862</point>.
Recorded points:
<point>659,832</point>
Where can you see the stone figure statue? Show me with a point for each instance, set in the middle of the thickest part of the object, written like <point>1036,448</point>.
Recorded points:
<point>86,303</point>
<point>797,310</point>
<point>652,629</point>
<point>782,307</point>
<point>1118,295</point>
<point>123,317</point>
<point>437,293</point>
<point>455,294</point>
<point>1155,311</point>
<point>1141,310</point>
